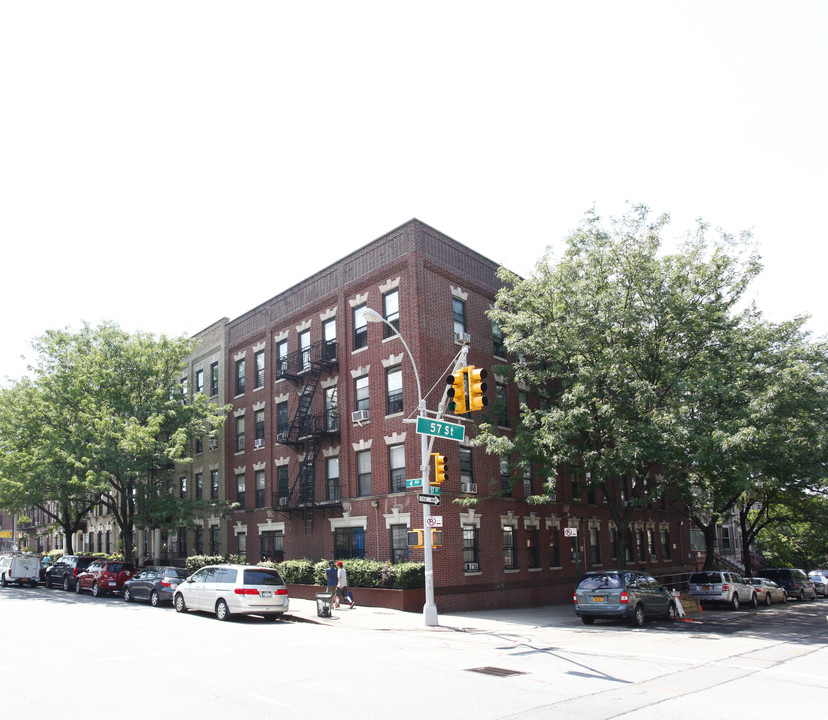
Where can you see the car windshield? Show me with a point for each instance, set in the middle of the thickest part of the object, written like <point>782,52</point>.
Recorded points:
<point>706,578</point>
<point>753,581</point>
<point>176,573</point>
<point>262,577</point>
<point>600,582</point>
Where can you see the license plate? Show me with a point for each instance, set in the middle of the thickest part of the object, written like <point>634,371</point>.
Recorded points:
<point>112,582</point>
<point>265,593</point>
<point>705,587</point>
<point>598,598</point>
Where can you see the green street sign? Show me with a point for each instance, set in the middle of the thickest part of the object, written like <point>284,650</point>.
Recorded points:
<point>440,428</point>
<point>415,482</point>
<point>433,489</point>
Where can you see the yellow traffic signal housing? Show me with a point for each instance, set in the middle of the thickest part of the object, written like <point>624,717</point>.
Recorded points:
<point>457,392</point>
<point>439,468</point>
<point>477,388</point>
<point>414,539</point>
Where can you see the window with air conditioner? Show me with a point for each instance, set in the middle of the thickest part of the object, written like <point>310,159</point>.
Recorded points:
<point>470,488</point>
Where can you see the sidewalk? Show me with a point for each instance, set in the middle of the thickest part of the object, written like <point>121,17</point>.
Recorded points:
<point>375,618</point>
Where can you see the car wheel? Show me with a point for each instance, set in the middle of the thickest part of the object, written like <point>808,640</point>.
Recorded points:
<point>587,620</point>
<point>734,602</point>
<point>77,586</point>
<point>754,601</point>
<point>671,611</point>
<point>802,596</point>
<point>127,594</point>
<point>784,597</point>
<point>66,584</point>
<point>155,601</point>
<point>180,605</point>
<point>767,599</point>
<point>273,617</point>
<point>222,611</point>
<point>3,581</point>
<point>638,616</point>
<point>95,591</point>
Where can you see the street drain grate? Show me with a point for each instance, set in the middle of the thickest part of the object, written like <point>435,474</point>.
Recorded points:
<point>497,672</point>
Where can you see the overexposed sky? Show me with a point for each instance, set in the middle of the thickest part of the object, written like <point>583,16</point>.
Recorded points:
<point>165,164</point>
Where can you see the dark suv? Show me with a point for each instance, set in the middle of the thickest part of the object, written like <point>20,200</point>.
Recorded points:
<point>796,583</point>
<point>65,570</point>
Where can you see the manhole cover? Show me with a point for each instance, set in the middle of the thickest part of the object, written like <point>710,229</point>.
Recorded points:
<point>497,672</point>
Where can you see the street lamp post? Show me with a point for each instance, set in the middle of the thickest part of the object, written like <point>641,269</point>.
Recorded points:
<point>430,608</point>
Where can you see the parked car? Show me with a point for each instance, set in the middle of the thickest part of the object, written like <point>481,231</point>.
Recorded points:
<point>20,569</point>
<point>233,590</point>
<point>767,590</point>
<point>717,586</point>
<point>104,576</point>
<point>624,594</point>
<point>796,583</point>
<point>820,580</point>
<point>156,584</point>
<point>64,570</point>
<point>45,562</point>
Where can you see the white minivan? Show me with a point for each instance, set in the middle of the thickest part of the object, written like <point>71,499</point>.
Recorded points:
<point>20,569</point>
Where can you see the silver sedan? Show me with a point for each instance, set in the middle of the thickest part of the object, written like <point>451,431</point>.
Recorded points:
<point>767,590</point>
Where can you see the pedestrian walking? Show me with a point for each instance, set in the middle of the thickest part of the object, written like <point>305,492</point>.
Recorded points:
<point>342,584</point>
<point>331,581</point>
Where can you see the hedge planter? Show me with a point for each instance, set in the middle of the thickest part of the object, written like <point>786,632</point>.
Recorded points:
<point>407,600</point>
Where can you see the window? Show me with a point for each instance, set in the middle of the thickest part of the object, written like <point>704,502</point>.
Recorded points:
<point>260,488</point>
<point>329,339</point>
<point>199,381</point>
<point>502,406</point>
<point>332,478</point>
<point>360,328</point>
<point>282,423</point>
<point>594,546</point>
<point>199,541</point>
<point>304,350</point>
<point>214,483</point>
<point>505,477</point>
<point>182,542</point>
<point>363,459</point>
<point>272,546</point>
<point>629,550</point>
<point>182,488</point>
<point>471,551</point>
<point>240,434</point>
<point>241,539</point>
<point>466,471</point>
<point>642,548</point>
<point>282,481</point>
<point>259,428</point>
<point>614,543</point>
<point>331,411</point>
<point>349,542</point>
<point>459,315</point>
<point>394,393</point>
<point>554,547</point>
<point>362,395</point>
<point>532,555</point>
<point>726,544</point>
<point>240,377</point>
<point>651,543</point>
<point>281,358</point>
<point>199,486</point>
<point>259,359</point>
<point>199,446</point>
<point>527,481</point>
<point>396,464</point>
<point>665,544</point>
<point>391,312</point>
<point>497,341</point>
<point>575,486</point>
<point>108,545</point>
<point>399,545</point>
<point>214,540</point>
<point>240,489</point>
<point>214,379</point>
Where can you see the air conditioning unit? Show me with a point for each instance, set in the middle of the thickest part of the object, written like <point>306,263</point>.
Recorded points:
<point>212,443</point>
<point>469,488</point>
<point>281,437</point>
<point>652,558</point>
<point>463,338</point>
<point>283,501</point>
<point>553,496</point>
<point>258,444</point>
<point>360,416</point>
<point>471,567</point>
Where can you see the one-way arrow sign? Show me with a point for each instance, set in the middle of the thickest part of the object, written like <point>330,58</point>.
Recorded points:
<point>428,499</point>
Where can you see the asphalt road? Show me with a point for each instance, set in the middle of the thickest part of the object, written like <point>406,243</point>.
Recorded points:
<point>71,656</point>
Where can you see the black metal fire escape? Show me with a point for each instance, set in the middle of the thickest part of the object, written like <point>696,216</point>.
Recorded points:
<point>306,432</point>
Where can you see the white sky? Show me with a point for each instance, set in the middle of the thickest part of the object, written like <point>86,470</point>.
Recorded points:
<point>165,164</point>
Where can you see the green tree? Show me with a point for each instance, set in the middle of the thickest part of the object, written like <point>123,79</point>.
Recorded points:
<point>127,419</point>
<point>610,335</point>
<point>799,537</point>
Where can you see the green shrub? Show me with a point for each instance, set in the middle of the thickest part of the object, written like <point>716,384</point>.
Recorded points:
<point>299,572</point>
<point>361,573</point>
<point>195,562</point>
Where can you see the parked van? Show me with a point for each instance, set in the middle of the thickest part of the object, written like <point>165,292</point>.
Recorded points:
<point>20,569</point>
<point>796,583</point>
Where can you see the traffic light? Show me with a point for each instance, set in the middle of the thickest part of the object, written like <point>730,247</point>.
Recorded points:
<point>414,538</point>
<point>457,392</point>
<point>477,388</point>
<point>439,468</point>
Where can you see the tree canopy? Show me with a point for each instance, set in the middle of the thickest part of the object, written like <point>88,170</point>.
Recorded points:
<point>103,420</point>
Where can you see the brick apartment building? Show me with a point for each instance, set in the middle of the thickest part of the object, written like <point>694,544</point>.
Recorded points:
<point>317,449</point>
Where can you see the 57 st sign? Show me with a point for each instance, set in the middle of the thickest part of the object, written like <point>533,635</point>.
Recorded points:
<point>441,428</point>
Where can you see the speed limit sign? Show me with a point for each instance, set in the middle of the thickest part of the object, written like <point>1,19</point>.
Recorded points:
<point>570,532</point>
<point>434,521</point>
